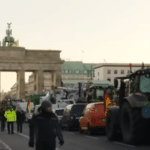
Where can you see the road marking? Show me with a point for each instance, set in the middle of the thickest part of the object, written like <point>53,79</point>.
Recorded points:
<point>28,138</point>
<point>91,137</point>
<point>125,144</point>
<point>5,145</point>
<point>23,136</point>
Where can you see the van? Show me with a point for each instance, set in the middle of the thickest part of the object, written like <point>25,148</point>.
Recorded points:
<point>71,116</point>
<point>93,117</point>
<point>59,112</point>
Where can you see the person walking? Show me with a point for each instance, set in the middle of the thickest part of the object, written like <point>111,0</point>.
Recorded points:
<point>10,115</point>
<point>3,119</point>
<point>20,119</point>
<point>46,127</point>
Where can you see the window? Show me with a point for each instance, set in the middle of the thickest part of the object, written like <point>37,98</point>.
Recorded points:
<point>108,71</point>
<point>77,109</point>
<point>108,79</point>
<point>81,72</point>
<point>127,90</point>
<point>98,73</point>
<point>99,94</point>
<point>66,71</point>
<point>115,71</point>
<point>128,71</point>
<point>145,83</point>
<point>122,71</point>
<point>77,71</point>
<point>59,112</point>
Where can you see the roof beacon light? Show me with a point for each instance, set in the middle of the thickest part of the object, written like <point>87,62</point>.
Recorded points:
<point>130,67</point>
<point>142,65</point>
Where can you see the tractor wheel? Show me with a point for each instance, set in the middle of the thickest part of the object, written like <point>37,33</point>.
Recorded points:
<point>132,124</point>
<point>111,128</point>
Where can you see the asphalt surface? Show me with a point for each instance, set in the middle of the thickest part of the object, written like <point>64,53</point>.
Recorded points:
<point>73,141</point>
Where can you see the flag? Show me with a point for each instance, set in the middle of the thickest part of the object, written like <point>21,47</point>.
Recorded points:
<point>28,106</point>
<point>106,100</point>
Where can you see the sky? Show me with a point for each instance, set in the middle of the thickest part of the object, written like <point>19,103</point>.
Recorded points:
<point>90,31</point>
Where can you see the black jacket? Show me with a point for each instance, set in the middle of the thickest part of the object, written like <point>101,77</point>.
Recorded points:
<point>20,116</point>
<point>46,127</point>
<point>2,112</point>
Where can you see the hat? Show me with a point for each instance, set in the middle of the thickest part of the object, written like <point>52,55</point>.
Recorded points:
<point>45,104</point>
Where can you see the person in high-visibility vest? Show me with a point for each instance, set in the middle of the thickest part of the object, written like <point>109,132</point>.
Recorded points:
<point>10,115</point>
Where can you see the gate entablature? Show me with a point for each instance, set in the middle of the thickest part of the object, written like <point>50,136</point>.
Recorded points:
<point>21,60</point>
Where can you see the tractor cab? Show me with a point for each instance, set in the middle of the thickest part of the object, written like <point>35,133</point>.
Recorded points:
<point>137,83</point>
<point>98,91</point>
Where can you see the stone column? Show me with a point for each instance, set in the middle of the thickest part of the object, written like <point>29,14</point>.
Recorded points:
<point>39,82</point>
<point>54,78</point>
<point>21,84</point>
<point>58,78</point>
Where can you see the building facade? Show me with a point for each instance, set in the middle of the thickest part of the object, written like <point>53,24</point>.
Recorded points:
<point>76,71</point>
<point>108,71</point>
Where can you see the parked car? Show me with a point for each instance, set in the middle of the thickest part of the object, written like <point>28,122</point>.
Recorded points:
<point>59,112</point>
<point>71,116</point>
<point>93,117</point>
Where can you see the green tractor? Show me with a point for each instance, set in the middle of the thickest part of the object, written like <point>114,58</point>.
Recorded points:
<point>99,89</point>
<point>129,120</point>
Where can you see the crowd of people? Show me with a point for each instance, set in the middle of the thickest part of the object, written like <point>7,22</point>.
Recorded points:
<point>43,119</point>
<point>10,116</point>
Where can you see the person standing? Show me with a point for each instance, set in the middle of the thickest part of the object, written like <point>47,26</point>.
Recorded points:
<point>46,127</point>
<point>10,115</point>
<point>3,119</point>
<point>20,119</point>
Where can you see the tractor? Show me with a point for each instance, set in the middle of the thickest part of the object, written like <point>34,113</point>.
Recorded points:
<point>129,120</point>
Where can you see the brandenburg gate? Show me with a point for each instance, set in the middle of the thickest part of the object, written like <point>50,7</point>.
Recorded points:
<point>21,60</point>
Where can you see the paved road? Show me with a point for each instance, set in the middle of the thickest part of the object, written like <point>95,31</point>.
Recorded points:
<point>73,141</point>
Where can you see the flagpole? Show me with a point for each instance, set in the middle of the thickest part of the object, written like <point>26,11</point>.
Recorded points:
<point>0,88</point>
